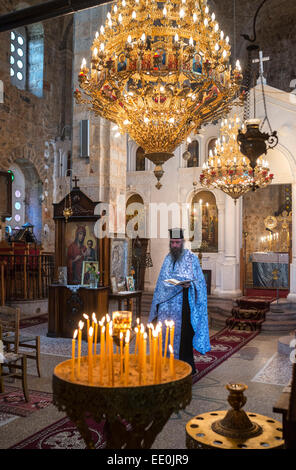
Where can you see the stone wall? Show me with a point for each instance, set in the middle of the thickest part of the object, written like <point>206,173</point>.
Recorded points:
<point>29,123</point>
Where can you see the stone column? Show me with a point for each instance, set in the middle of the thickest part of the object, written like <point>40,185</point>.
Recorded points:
<point>292,295</point>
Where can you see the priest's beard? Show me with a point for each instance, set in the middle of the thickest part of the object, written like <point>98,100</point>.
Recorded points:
<point>176,252</point>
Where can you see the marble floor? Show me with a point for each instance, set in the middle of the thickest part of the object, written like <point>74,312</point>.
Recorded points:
<point>258,365</point>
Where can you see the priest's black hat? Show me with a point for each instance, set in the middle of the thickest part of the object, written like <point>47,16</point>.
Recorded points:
<point>176,233</point>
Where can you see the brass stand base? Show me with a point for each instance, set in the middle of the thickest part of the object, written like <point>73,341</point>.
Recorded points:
<point>201,435</point>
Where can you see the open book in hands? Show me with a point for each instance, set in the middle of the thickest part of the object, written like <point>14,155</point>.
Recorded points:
<point>175,282</point>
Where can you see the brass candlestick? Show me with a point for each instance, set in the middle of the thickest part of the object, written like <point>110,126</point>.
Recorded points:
<point>235,428</point>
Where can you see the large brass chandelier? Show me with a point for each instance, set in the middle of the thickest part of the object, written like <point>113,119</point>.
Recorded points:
<point>159,70</point>
<point>228,169</point>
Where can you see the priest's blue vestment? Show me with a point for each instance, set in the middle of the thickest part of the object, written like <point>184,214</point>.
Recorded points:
<point>168,299</point>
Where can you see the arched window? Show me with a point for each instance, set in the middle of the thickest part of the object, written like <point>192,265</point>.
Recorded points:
<point>204,222</point>
<point>135,216</point>
<point>193,149</point>
<point>18,58</point>
<point>27,58</point>
<point>140,159</point>
<point>212,145</point>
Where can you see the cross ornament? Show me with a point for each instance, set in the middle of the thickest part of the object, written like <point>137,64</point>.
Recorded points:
<point>261,61</point>
<point>75,181</point>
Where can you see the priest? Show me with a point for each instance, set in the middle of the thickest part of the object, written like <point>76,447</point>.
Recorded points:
<point>185,304</point>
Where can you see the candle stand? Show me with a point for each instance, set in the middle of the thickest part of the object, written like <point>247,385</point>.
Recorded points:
<point>235,428</point>
<point>146,408</point>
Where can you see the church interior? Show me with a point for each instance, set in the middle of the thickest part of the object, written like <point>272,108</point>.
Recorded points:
<point>118,122</point>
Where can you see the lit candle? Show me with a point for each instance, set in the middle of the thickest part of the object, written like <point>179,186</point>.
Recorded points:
<point>144,358</point>
<point>111,368</point>
<point>126,358</point>
<point>81,325</point>
<point>150,343</point>
<point>87,322</point>
<point>155,335</point>
<point>172,331</point>
<point>73,354</point>
<point>172,363</point>
<point>90,363</point>
<point>137,339</point>
<point>96,335</point>
<point>102,356</point>
<point>167,324</point>
<point>121,354</point>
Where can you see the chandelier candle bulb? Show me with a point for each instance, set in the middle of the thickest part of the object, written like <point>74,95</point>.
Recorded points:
<point>73,354</point>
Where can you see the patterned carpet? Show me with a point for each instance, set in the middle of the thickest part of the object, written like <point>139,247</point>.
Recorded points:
<point>223,345</point>
<point>13,402</point>
<point>62,434</point>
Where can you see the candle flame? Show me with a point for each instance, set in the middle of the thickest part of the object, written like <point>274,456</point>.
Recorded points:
<point>90,331</point>
<point>94,317</point>
<point>171,349</point>
<point>81,325</point>
<point>138,321</point>
<point>107,318</point>
<point>75,334</point>
<point>145,335</point>
<point>142,329</point>
<point>103,329</point>
<point>155,333</point>
<point>136,330</point>
<point>127,336</point>
<point>121,335</point>
<point>85,316</point>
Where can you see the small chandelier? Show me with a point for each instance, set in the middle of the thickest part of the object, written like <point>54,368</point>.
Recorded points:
<point>159,70</point>
<point>228,169</point>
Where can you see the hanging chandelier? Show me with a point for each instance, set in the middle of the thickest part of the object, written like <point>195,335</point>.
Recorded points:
<point>228,169</point>
<point>159,70</point>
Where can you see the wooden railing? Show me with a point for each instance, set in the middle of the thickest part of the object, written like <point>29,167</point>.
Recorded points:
<point>25,276</point>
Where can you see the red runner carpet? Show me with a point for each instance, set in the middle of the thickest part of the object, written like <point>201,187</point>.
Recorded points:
<point>63,434</point>
<point>12,401</point>
<point>223,344</point>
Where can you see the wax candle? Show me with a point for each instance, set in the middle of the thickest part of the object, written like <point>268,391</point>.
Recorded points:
<point>145,358</point>
<point>126,358</point>
<point>150,343</point>
<point>90,359</point>
<point>121,354</point>
<point>172,331</point>
<point>81,325</point>
<point>167,324</point>
<point>172,363</point>
<point>102,355</point>
<point>155,335</point>
<point>73,354</point>
<point>96,337</point>
<point>87,322</point>
<point>137,339</point>
<point>111,367</point>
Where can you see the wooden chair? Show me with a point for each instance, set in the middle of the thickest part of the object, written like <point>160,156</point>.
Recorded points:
<point>14,338</point>
<point>10,360</point>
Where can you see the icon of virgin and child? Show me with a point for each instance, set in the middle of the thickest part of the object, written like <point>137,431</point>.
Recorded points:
<point>77,253</point>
